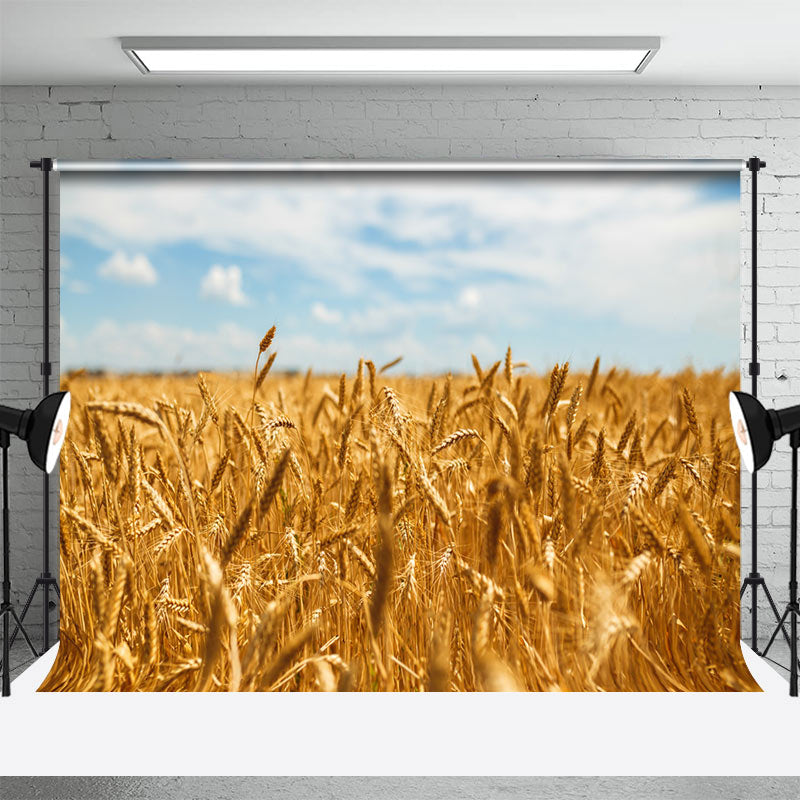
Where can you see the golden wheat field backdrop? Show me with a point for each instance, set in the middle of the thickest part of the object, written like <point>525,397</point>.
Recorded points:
<point>496,530</point>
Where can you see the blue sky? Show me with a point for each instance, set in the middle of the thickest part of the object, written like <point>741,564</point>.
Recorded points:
<point>165,272</point>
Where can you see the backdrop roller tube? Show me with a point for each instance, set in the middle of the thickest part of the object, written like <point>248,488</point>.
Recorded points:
<point>347,165</point>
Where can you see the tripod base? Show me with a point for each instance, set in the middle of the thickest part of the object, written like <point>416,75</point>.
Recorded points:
<point>6,611</point>
<point>46,582</point>
<point>792,613</point>
<point>753,581</point>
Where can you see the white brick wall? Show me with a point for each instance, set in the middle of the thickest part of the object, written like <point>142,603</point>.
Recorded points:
<point>427,121</point>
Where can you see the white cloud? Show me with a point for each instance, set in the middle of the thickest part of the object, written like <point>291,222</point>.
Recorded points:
<point>224,283</point>
<point>129,269</point>
<point>324,314</point>
<point>470,297</point>
<point>326,354</point>
<point>597,246</point>
<point>149,345</point>
<point>67,342</point>
<point>79,287</point>
<point>64,262</point>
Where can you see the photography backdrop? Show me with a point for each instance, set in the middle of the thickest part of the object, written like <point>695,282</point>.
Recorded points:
<point>542,493</point>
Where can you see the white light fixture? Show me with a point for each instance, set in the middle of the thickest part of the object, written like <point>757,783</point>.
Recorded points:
<point>392,55</point>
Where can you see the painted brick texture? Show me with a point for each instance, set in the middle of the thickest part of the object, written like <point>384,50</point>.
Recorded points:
<point>426,121</point>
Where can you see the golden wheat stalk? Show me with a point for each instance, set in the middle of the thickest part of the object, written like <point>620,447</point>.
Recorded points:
<point>534,556</point>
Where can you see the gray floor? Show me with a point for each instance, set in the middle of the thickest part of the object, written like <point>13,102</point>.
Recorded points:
<point>425,788</point>
<point>21,656</point>
<point>778,656</point>
<point>399,788</point>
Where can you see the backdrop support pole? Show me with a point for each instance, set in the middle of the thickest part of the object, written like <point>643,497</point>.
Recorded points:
<point>754,579</point>
<point>45,581</point>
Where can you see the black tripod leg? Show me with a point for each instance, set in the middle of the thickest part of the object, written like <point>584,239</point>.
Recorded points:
<point>54,585</point>
<point>777,616</point>
<point>24,633</point>
<point>753,580</point>
<point>6,657</point>
<point>775,632</point>
<point>793,672</point>
<point>25,608</point>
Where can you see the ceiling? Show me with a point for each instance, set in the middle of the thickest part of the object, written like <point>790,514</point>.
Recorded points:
<point>703,41</point>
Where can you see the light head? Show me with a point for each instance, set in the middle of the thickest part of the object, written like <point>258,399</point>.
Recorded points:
<point>44,428</point>
<point>756,428</point>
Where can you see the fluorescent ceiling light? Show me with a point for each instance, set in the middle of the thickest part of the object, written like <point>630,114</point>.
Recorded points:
<point>392,55</point>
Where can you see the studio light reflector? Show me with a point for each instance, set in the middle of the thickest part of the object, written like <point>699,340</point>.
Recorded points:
<point>43,429</point>
<point>392,55</point>
<point>757,429</point>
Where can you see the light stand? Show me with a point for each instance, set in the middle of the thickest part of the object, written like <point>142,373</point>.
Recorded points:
<point>7,608</point>
<point>45,581</point>
<point>755,579</point>
<point>792,608</point>
<point>756,429</point>
<point>43,429</point>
